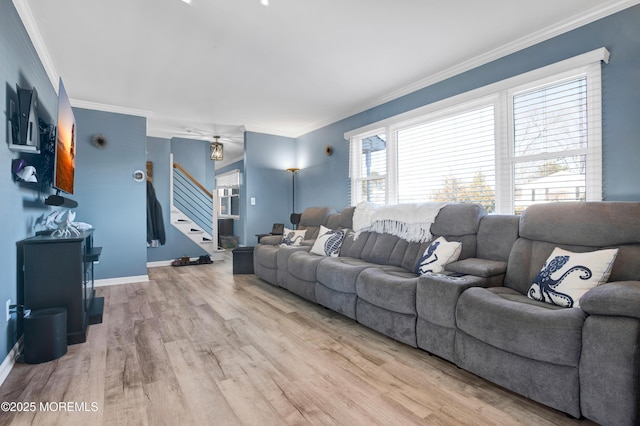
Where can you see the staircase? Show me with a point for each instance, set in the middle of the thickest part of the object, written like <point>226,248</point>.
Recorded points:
<point>193,211</point>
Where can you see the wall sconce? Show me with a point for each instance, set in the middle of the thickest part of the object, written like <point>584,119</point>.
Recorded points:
<point>216,149</point>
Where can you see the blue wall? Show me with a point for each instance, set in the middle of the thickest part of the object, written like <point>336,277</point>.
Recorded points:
<point>19,64</point>
<point>108,197</point>
<point>266,159</point>
<point>325,180</point>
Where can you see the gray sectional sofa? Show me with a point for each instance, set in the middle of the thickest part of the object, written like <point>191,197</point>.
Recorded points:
<point>584,361</point>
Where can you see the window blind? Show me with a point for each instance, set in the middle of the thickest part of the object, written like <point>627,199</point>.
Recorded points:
<point>449,159</point>
<point>550,134</point>
<point>228,180</point>
<point>540,140</point>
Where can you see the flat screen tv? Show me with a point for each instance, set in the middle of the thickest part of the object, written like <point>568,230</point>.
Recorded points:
<point>65,157</point>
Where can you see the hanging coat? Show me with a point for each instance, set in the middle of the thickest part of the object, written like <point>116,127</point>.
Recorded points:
<point>155,225</point>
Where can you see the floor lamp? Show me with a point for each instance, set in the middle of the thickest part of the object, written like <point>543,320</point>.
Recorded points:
<point>295,217</point>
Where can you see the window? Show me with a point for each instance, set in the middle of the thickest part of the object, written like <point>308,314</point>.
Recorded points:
<point>369,164</point>
<point>449,159</point>
<point>529,139</point>
<point>550,140</point>
<point>228,190</point>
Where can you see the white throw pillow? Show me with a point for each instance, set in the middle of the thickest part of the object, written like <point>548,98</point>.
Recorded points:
<point>328,242</point>
<point>292,238</point>
<point>439,253</point>
<point>566,276</point>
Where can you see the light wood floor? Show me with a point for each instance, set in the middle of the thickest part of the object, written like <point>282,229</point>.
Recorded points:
<point>199,346</point>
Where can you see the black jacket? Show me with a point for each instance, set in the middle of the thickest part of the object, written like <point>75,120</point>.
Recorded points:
<point>155,225</point>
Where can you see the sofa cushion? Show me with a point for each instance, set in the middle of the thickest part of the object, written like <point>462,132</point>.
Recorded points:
<point>312,218</point>
<point>352,246</point>
<point>346,217</point>
<point>316,216</point>
<point>292,237</point>
<point>328,242</point>
<point>333,221</point>
<point>437,255</point>
<point>382,249</point>
<point>503,318</point>
<point>458,219</point>
<point>412,254</point>
<point>383,288</point>
<point>496,235</point>
<point>303,265</point>
<point>341,273</point>
<point>590,224</point>
<point>566,276</point>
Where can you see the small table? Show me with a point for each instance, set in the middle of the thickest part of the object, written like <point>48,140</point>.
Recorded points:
<point>242,260</point>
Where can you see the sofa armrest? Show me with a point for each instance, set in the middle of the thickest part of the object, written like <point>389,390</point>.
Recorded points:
<point>437,297</point>
<point>479,267</point>
<point>620,298</point>
<point>271,240</point>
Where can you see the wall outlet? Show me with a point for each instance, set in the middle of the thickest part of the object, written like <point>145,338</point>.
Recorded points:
<point>253,201</point>
<point>8,307</point>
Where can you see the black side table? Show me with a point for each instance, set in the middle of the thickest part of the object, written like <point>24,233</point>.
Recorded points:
<point>243,260</point>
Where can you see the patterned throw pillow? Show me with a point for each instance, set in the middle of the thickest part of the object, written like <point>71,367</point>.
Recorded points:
<point>566,276</point>
<point>292,238</point>
<point>328,242</point>
<point>439,253</point>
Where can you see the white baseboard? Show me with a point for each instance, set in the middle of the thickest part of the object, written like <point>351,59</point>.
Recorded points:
<point>8,363</point>
<point>159,263</point>
<point>121,280</point>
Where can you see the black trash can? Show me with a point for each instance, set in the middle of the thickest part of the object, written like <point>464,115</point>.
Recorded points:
<point>45,335</point>
<point>242,260</point>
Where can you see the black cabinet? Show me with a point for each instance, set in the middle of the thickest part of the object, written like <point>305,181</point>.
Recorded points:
<point>58,272</point>
<point>225,229</point>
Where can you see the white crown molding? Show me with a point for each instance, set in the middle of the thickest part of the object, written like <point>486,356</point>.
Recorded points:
<point>577,21</point>
<point>480,94</point>
<point>110,108</point>
<point>277,132</point>
<point>588,16</point>
<point>29,22</point>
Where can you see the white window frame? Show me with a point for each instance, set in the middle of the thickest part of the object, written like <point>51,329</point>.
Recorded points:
<point>501,93</point>
<point>228,180</point>
<point>355,165</point>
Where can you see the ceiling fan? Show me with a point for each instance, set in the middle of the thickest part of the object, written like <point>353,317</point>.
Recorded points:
<point>191,133</point>
<point>215,141</point>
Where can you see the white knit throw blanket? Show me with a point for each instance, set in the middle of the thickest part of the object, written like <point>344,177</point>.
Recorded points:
<point>411,222</point>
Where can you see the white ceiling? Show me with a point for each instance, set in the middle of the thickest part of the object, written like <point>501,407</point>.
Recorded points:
<point>220,66</point>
